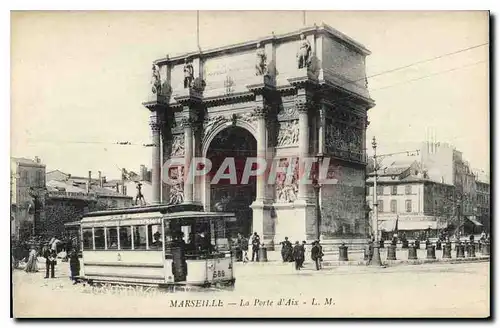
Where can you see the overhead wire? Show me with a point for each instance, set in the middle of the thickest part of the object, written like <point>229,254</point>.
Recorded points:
<point>126,143</point>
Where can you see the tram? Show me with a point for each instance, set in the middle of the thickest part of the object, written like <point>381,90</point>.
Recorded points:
<point>157,245</point>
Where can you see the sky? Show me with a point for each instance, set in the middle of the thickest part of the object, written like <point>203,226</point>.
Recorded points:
<point>78,79</point>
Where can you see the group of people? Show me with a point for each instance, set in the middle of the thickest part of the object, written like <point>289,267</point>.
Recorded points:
<point>48,251</point>
<point>296,253</point>
<point>242,244</point>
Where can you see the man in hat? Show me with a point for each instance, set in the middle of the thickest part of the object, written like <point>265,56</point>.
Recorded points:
<point>298,255</point>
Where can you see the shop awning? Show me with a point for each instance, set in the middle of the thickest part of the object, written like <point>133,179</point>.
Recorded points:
<point>474,220</point>
<point>421,225</point>
<point>387,225</point>
<point>405,224</point>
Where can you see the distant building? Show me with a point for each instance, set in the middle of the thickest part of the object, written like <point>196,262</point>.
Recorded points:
<point>409,201</point>
<point>68,197</point>
<point>27,178</point>
<point>433,191</point>
<point>483,196</point>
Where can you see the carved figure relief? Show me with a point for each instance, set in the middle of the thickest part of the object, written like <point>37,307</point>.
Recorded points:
<point>286,191</point>
<point>176,190</point>
<point>304,53</point>
<point>261,61</point>
<point>177,145</point>
<point>188,74</point>
<point>155,80</point>
<point>288,133</point>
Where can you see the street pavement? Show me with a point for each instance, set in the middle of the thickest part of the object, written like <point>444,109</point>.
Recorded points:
<point>431,290</point>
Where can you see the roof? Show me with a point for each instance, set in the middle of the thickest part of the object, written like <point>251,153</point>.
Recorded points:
<point>26,161</point>
<point>106,192</point>
<point>54,185</point>
<point>308,30</point>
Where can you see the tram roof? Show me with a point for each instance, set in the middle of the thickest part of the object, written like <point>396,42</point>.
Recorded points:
<point>134,217</point>
<point>163,209</point>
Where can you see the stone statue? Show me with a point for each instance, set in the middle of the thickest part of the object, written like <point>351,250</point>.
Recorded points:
<point>155,80</point>
<point>188,74</point>
<point>304,53</point>
<point>261,58</point>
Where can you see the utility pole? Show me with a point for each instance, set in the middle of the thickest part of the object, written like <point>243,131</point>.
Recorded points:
<point>375,261</point>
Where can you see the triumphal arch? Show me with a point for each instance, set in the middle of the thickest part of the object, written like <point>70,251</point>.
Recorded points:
<point>280,98</point>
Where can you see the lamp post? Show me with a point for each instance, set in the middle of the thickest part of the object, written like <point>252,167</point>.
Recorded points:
<point>375,261</point>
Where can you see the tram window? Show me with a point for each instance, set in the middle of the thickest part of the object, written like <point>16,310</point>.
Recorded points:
<point>140,237</point>
<point>112,238</point>
<point>88,242</point>
<point>99,238</point>
<point>154,236</point>
<point>126,237</point>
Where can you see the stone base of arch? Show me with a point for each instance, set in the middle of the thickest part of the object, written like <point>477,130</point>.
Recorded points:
<point>262,221</point>
<point>295,220</point>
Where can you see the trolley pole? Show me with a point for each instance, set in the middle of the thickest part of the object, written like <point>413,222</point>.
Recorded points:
<point>375,261</point>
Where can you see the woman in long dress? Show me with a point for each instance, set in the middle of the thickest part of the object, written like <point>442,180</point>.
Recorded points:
<point>31,265</point>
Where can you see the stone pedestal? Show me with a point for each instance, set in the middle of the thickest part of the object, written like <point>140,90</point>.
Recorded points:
<point>262,222</point>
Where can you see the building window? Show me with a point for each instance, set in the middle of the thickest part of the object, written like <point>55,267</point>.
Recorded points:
<point>408,206</point>
<point>394,190</point>
<point>125,237</point>
<point>112,238</point>
<point>154,236</point>
<point>99,238</point>
<point>140,237</point>
<point>380,190</point>
<point>394,206</point>
<point>114,203</point>
<point>368,190</point>
<point>380,206</point>
<point>88,242</point>
<point>408,189</point>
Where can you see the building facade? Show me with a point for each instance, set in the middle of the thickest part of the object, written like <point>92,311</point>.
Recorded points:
<point>281,98</point>
<point>440,190</point>
<point>27,178</point>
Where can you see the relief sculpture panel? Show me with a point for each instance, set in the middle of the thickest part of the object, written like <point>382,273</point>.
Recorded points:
<point>177,146</point>
<point>288,134</point>
<point>287,188</point>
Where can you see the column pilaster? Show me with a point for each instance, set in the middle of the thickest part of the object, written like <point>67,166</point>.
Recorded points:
<point>155,124</point>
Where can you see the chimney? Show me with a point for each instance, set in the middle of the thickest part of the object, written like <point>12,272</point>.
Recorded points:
<point>100,180</point>
<point>89,182</point>
<point>37,160</point>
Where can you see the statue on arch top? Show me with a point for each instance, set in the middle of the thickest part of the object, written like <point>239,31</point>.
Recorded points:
<point>261,58</point>
<point>155,80</point>
<point>304,53</point>
<point>188,73</point>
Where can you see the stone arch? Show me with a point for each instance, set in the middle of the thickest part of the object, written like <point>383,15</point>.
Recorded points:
<point>208,138</point>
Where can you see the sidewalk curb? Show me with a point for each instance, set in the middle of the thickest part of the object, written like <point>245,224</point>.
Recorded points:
<point>386,263</point>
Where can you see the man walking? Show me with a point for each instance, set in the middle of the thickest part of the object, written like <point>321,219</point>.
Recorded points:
<point>255,247</point>
<point>298,255</point>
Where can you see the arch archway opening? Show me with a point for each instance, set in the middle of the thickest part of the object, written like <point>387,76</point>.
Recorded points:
<point>233,144</point>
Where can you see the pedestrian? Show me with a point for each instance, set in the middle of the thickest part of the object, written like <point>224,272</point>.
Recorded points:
<point>304,253</point>
<point>317,254</point>
<point>239,252</point>
<point>298,255</point>
<point>31,265</point>
<point>286,250</point>
<point>50,263</point>
<point>255,247</point>
<point>244,249</point>
<point>74,265</point>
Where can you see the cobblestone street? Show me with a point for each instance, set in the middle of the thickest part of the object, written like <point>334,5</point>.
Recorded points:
<point>432,290</point>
